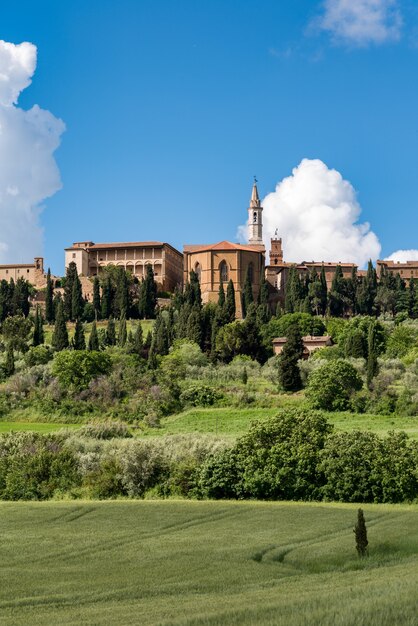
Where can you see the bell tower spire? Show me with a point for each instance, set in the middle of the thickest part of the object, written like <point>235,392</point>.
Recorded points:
<point>255,218</point>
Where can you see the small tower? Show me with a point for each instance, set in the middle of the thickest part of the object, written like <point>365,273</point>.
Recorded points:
<point>255,218</point>
<point>276,250</point>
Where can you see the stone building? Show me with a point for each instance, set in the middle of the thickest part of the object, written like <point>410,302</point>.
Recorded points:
<point>225,261</point>
<point>406,270</point>
<point>310,344</point>
<point>32,272</point>
<point>166,261</point>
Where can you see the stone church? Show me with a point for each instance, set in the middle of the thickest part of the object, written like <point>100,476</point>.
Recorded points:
<point>225,261</point>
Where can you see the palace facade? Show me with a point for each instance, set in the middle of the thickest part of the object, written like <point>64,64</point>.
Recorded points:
<point>32,272</point>
<point>166,261</point>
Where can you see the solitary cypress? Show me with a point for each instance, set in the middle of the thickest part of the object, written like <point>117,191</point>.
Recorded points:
<point>9,367</point>
<point>94,338</point>
<point>49,299</point>
<point>38,331</point>
<point>230,302</point>
<point>360,532</point>
<point>60,336</point>
<point>97,305</point>
<point>289,374</point>
<point>111,332</point>
<point>122,336</point>
<point>79,340</point>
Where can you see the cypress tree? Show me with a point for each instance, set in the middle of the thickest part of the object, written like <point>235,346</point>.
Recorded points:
<point>170,325</point>
<point>294,291</point>
<point>148,295</point>
<point>138,342</point>
<point>263,296</point>
<point>49,299</point>
<point>337,293</point>
<point>68,289</point>
<point>159,344</point>
<point>9,367</point>
<point>194,325</point>
<point>38,331</point>
<point>77,301</point>
<point>106,304</point>
<point>324,291</point>
<point>230,302</point>
<point>372,365</point>
<point>111,332</point>
<point>20,299</point>
<point>252,344</point>
<point>148,340</point>
<point>97,304</point>
<point>221,296</point>
<point>360,533</point>
<point>244,377</point>
<point>60,336</point>
<point>79,339</point>
<point>289,374</point>
<point>94,338</point>
<point>122,336</point>
<point>122,294</point>
<point>402,296</point>
<point>247,294</point>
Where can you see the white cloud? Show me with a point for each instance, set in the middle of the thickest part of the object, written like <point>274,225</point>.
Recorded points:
<point>402,256</point>
<point>28,171</point>
<point>316,213</point>
<point>361,22</point>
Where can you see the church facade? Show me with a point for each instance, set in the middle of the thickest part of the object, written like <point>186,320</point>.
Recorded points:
<point>224,261</point>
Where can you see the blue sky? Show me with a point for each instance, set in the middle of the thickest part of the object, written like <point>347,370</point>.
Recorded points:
<point>170,108</point>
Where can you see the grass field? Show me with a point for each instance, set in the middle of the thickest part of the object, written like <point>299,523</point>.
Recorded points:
<point>212,563</point>
<point>38,427</point>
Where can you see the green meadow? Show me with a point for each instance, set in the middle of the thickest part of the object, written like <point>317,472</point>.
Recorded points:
<point>206,563</point>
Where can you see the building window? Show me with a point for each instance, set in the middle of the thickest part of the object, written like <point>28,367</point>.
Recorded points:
<point>275,261</point>
<point>198,271</point>
<point>7,271</point>
<point>223,272</point>
<point>73,255</point>
<point>255,217</point>
<point>27,271</point>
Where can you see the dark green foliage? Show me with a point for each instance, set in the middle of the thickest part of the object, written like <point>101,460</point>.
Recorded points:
<point>367,292</point>
<point>192,292</point>
<point>20,298</point>
<point>38,355</point>
<point>70,278</point>
<point>402,296</point>
<point>79,339</point>
<point>289,373</point>
<point>136,343</point>
<point>221,296</point>
<point>76,368</point>
<point>111,332</point>
<point>337,295</point>
<point>244,377</point>
<point>372,352</point>
<point>295,292</point>
<point>360,533</point>
<point>148,295</point>
<point>230,302</point>
<point>122,299</point>
<point>122,336</point>
<point>77,301</point>
<point>97,304</point>
<point>355,344</point>
<point>107,298</point>
<point>16,331</point>
<point>252,344</point>
<point>198,394</point>
<point>38,330</point>
<point>9,366</point>
<point>159,344</point>
<point>331,386</point>
<point>263,296</point>
<point>94,343</point>
<point>194,330</point>
<point>60,335</point>
<point>89,314</point>
<point>247,294</point>
<point>278,326</point>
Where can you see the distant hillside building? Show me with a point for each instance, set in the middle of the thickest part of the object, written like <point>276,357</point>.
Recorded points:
<point>225,261</point>
<point>32,272</point>
<point>166,261</point>
<point>406,270</point>
<point>310,344</point>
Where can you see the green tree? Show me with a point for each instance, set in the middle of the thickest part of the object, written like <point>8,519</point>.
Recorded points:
<point>247,293</point>
<point>107,298</point>
<point>372,365</point>
<point>360,533</point>
<point>9,366</point>
<point>289,373</point>
<point>137,343</point>
<point>122,299</point>
<point>331,386</point>
<point>94,344</point>
<point>76,368</point>
<point>230,302</point>
<point>77,300</point>
<point>111,332</point>
<point>69,280</point>
<point>295,294</point>
<point>20,298</point>
<point>148,295</point>
<point>194,325</point>
<point>79,339</point>
<point>97,304</point>
<point>122,336</point>
<point>159,344</point>
<point>38,330</point>
<point>49,299</point>
<point>60,335</point>
<point>221,295</point>
<point>16,331</point>
<point>337,295</point>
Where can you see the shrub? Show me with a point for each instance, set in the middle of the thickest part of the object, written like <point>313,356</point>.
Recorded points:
<point>331,386</point>
<point>38,355</point>
<point>401,340</point>
<point>105,430</point>
<point>279,326</point>
<point>76,368</point>
<point>198,394</point>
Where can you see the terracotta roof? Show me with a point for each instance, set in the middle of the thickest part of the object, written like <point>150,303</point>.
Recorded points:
<point>12,265</point>
<point>307,339</point>
<point>399,263</point>
<point>222,245</point>
<point>129,244</point>
<point>328,263</point>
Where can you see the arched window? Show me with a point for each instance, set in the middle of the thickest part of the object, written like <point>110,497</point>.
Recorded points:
<point>275,261</point>
<point>250,273</point>
<point>223,272</point>
<point>198,271</point>
<point>255,217</point>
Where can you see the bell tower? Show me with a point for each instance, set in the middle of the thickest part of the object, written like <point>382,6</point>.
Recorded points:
<point>276,250</point>
<point>255,218</point>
